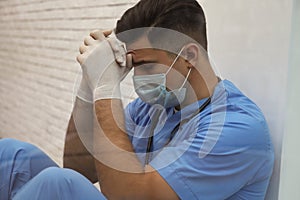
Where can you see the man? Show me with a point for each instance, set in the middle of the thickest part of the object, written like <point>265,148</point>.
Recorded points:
<point>189,135</point>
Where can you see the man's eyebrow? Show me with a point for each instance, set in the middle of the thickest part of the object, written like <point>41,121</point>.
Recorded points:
<point>142,62</point>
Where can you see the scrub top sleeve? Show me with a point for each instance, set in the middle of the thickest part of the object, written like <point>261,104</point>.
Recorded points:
<point>224,153</point>
<point>218,175</point>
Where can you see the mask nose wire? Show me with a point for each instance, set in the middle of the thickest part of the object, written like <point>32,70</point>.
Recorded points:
<point>175,60</point>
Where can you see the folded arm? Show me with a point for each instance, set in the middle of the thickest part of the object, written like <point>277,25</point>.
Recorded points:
<point>76,156</point>
<point>122,175</point>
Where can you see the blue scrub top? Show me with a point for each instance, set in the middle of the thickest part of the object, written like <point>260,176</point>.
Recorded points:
<point>223,152</point>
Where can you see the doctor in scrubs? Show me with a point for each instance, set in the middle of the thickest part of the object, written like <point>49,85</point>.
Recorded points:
<point>188,135</point>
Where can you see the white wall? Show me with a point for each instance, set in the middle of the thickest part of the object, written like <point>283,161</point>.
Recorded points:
<point>290,174</point>
<point>249,42</point>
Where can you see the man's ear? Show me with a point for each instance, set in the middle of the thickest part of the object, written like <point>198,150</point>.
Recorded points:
<point>191,54</point>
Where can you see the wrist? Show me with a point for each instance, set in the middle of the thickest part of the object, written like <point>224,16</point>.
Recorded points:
<point>84,92</point>
<point>107,91</point>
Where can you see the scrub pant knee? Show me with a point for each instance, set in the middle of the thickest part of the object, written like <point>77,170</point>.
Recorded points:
<point>19,163</point>
<point>28,173</point>
<point>59,184</point>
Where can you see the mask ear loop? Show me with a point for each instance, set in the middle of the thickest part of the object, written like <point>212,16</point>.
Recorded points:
<point>187,76</point>
<point>173,65</point>
<point>175,60</point>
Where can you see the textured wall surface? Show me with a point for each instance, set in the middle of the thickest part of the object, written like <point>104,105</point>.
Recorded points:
<point>39,44</point>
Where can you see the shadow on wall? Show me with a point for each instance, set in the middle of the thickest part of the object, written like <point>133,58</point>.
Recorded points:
<point>246,43</point>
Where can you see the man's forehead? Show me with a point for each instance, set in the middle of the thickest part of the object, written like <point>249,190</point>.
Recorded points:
<point>140,43</point>
<point>141,49</point>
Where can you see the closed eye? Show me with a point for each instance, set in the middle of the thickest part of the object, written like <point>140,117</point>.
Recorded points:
<point>147,67</point>
<point>143,62</point>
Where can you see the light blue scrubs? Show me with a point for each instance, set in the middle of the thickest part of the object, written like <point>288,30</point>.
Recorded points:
<point>26,173</point>
<point>224,152</point>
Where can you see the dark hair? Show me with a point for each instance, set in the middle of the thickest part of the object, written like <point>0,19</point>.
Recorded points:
<point>184,16</point>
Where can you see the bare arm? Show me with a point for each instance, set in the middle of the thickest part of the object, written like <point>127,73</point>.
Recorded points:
<point>122,176</point>
<point>120,173</point>
<point>76,156</point>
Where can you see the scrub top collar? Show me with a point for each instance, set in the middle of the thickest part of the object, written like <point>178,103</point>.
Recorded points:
<point>190,110</point>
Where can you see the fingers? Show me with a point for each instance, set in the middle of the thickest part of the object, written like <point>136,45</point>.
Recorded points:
<point>97,35</point>
<point>118,50</point>
<point>83,49</point>
<point>89,41</point>
<point>107,32</point>
<point>80,59</point>
<point>129,61</point>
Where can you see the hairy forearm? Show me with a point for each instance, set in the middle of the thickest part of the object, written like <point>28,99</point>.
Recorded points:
<point>118,168</point>
<point>110,118</point>
<point>76,156</point>
<point>110,138</point>
<point>120,173</point>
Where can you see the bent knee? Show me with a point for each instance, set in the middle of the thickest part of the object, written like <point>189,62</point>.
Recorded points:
<point>60,183</point>
<point>22,156</point>
<point>9,142</point>
<point>59,175</point>
<point>19,151</point>
<point>14,145</point>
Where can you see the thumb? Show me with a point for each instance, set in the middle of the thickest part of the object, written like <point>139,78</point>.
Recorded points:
<point>129,61</point>
<point>119,49</point>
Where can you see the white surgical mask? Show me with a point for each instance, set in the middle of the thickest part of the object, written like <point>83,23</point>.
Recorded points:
<point>152,88</point>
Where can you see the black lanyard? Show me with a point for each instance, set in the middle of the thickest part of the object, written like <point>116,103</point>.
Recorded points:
<point>174,131</point>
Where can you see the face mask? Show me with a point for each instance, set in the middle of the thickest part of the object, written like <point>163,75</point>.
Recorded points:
<point>152,89</point>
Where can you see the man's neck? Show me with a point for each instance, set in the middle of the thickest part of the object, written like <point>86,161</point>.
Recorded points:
<point>200,87</point>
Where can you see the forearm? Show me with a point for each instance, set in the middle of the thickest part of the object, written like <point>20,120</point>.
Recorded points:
<point>116,164</point>
<point>120,173</point>
<point>76,156</point>
<point>110,138</point>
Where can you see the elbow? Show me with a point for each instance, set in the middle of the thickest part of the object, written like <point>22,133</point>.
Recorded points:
<point>130,189</point>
